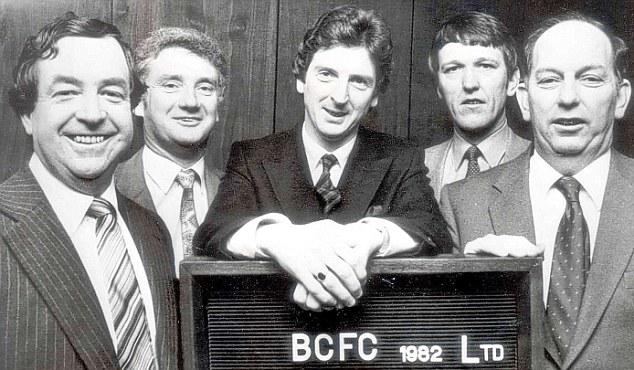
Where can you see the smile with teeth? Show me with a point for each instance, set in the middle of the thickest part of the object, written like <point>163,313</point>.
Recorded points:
<point>88,139</point>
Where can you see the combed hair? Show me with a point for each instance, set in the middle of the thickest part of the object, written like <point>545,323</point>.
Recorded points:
<point>352,27</point>
<point>619,48</point>
<point>189,39</point>
<point>23,93</point>
<point>474,28</point>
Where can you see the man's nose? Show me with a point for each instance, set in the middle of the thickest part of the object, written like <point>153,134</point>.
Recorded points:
<point>188,98</point>
<point>90,111</point>
<point>339,93</point>
<point>568,95</point>
<point>470,80</point>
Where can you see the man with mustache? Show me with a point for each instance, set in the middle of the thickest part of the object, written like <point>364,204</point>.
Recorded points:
<point>474,60</point>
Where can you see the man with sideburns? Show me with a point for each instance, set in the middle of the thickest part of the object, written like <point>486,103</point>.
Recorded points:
<point>325,197</point>
<point>87,274</point>
<point>569,199</point>
<point>184,75</point>
<point>474,60</point>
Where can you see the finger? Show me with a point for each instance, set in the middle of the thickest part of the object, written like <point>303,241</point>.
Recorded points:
<point>315,287</point>
<point>486,244</point>
<point>335,287</point>
<point>354,260</point>
<point>300,295</point>
<point>345,273</point>
<point>313,304</point>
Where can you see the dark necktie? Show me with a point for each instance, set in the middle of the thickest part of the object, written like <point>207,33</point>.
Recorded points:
<point>134,348</point>
<point>189,222</point>
<point>571,264</point>
<point>472,155</point>
<point>328,192</point>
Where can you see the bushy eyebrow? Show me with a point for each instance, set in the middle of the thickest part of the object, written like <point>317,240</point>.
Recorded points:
<point>167,77</point>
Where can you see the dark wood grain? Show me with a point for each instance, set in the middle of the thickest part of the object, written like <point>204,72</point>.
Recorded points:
<point>18,20</point>
<point>440,264</point>
<point>296,17</point>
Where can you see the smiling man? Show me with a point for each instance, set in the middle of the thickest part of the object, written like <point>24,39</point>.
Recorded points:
<point>87,274</point>
<point>570,199</point>
<point>322,199</point>
<point>184,74</point>
<point>474,60</point>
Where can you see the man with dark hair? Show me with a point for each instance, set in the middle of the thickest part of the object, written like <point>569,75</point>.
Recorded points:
<point>474,60</point>
<point>571,199</point>
<point>184,75</point>
<point>322,199</point>
<point>87,274</point>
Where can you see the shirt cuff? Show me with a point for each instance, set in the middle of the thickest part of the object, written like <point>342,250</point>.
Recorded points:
<point>395,239</point>
<point>243,242</point>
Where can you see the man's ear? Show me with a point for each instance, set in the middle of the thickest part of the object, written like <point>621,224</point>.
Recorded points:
<point>375,100</point>
<point>299,85</point>
<point>623,95</point>
<point>139,110</point>
<point>521,94</point>
<point>27,124</point>
<point>511,86</point>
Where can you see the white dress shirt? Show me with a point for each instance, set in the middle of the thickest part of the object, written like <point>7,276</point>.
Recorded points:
<point>160,176</point>
<point>549,204</point>
<point>70,207</point>
<point>243,242</point>
<point>493,150</point>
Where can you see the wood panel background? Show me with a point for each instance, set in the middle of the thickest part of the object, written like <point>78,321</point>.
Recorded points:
<point>260,38</point>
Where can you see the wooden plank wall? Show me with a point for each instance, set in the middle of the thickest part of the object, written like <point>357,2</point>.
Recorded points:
<point>260,39</point>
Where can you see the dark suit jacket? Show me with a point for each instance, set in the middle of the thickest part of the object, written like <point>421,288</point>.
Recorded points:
<point>436,156</point>
<point>130,181</point>
<point>384,177</point>
<point>497,202</point>
<point>50,317</point>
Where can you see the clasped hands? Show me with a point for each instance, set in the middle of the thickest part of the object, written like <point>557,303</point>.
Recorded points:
<point>328,260</point>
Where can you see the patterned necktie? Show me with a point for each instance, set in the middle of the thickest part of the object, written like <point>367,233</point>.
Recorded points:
<point>571,264</point>
<point>134,346</point>
<point>472,155</point>
<point>189,222</point>
<point>328,192</point>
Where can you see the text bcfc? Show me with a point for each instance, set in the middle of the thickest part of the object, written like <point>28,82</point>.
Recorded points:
<point>346,346</point>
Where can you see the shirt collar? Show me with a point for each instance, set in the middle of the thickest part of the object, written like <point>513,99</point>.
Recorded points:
<point>163,171</point>
<point>492,148</point>
<point>69,205</point>
<point>314,151</point>
<point>593,178</point>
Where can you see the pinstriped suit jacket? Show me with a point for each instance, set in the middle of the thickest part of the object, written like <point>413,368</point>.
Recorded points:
<point>50,316</point>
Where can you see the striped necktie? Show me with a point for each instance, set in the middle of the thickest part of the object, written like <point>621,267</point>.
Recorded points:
<point>570,267</point>
<point>134,346</point>
<point>189,222</point>
<point>328,192</point>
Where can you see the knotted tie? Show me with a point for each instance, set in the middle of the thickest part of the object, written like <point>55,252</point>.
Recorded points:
<point>472,155</point>
<point>571,264</point>
<point>134,347</point>
<point>189,222</point>
<point>329,193</point>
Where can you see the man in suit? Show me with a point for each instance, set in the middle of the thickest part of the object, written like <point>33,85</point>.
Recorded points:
<point>571,198</point>
<point>474,60</point>
<point>87,275</point>
<point>323,198</point>
<point>184,73</point>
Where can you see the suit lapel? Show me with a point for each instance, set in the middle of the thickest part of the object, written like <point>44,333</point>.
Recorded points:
<point>47,255</point>
<point>212,180</point>
<point>290,178</point>
<point>510,208</point>
<point>364,172</point>
<point>131,181</point>
<point>612,252</point>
